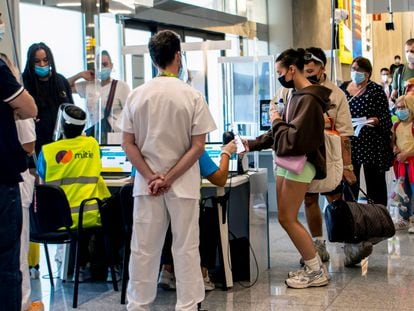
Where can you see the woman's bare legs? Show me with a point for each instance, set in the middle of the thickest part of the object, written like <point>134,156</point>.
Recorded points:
<point>290,195</point>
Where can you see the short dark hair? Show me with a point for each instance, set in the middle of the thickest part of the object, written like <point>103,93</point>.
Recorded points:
<point>318,52</point>
<point>409,41</point>
<point>105,53</point>
<point>163,46</point>
<point>72,130</point>
<point>292,57</point>
<point>397,56</point>
<point>384,68</point>
<point>364,63</point>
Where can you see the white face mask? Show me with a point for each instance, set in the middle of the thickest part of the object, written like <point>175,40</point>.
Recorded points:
<point>384,78</point>
<point>410,57</point>
<point>2,30</point>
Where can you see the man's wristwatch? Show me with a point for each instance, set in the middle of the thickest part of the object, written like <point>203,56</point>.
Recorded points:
<point>349,167</point>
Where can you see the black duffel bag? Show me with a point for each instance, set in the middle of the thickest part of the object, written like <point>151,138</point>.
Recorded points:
<point>353,222</point>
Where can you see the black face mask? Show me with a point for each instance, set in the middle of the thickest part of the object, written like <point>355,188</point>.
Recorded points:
<point>287,84</point>
<point>313,79</point>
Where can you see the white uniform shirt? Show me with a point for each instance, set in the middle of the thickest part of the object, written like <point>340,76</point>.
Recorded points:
<point>340,112</point>
<point>92,92</point>
<point>163,114</point>
<point>27,134</point>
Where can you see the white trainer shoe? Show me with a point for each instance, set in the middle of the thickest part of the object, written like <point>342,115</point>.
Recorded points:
<point>166,280</point>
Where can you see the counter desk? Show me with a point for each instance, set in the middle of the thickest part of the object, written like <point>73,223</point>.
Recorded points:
<point>244,218</point>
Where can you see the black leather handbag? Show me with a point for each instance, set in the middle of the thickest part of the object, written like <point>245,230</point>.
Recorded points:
<point>353,222</point>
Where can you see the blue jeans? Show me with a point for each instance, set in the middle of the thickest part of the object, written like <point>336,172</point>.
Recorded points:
<point>10,228</point>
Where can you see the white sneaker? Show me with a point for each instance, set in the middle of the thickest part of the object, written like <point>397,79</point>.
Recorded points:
<point>401,224</point>
<point>308,278</point>
<point>166,280</point>
<point>208,285</point>
<point>411,225</point>
<point>320,247</point>
<point>354,253</point>
<point>84,274</point>
<point>117,274</point>
<point>34,273</point>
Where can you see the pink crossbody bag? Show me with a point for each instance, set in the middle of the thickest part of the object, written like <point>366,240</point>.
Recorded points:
<point>294,164</point>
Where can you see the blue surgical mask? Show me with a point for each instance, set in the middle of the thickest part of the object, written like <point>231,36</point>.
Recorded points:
<point>42,71</point>
<point>2,30</point>
<point>104,74</point>
<point>357,77</point>
<point>402,114</point>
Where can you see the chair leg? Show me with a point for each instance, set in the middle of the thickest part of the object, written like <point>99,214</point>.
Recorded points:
<point>109,250</point>
<point>127,252</point>
<point>49,267</point>
<point>76,273</point>
<point>114,280</point>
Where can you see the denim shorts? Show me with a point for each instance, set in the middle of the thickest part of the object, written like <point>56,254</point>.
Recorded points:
<point>306,176</point>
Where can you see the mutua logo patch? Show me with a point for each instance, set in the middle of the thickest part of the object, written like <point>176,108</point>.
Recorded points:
<point>64,156</point>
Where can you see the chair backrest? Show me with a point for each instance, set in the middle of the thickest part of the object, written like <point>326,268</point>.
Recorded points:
<point>50,210</point>
<point>127,207</point>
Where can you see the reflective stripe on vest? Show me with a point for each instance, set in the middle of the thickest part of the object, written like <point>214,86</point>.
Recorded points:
<point>92,207</point>
<point>73,180</point>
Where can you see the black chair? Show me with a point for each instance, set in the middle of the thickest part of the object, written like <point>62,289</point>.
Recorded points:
<point>127,207</point>
<point>50,222</point>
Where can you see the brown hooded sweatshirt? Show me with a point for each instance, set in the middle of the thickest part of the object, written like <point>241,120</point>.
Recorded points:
<point>304,134</point>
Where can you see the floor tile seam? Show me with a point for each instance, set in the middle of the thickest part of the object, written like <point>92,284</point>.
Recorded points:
<point>341,290</point>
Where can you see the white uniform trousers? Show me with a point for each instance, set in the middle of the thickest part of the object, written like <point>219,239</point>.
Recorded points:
<point>26,193</point>
<point>151,218</point>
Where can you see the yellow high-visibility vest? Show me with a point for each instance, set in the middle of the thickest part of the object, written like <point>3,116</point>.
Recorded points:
<point>75,165</point>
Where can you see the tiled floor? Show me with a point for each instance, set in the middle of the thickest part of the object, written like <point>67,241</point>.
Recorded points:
<point>385,282</point>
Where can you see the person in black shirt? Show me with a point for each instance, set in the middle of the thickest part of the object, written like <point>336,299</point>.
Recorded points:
<point>397,64</point>
<point>49,89</point>
<point>16,103</point>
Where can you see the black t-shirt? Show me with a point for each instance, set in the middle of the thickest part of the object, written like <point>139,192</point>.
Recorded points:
<point>47,107</point>
<point>394,67</point>
<point>12,155</point>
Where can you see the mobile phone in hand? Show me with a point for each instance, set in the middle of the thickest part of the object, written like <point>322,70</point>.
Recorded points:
<point>239,144</point>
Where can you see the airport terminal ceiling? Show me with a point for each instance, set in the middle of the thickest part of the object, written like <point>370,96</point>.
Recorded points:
<point>168,12</point>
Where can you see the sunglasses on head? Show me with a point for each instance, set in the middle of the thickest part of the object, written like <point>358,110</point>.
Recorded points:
<point>309,56</point>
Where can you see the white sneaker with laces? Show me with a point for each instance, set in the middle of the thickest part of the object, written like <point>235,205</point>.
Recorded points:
<point>34,273</point>
<point>300,271</point>
<point>208,284</point>
<point>84,274</point>
<point>401,224</point>
<point>117,274</point>
<point>411,225</point>
<point>308,278</point>
<point>354,253</point>
<point>166,280</point>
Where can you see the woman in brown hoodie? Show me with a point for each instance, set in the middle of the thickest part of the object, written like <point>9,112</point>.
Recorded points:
<point>302,134</point>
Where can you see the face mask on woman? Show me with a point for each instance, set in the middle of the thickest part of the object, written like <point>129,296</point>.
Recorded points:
<point>104,74</point>
<point>42,71</point>
<point>357,77</point>
<point>287,84</point>
<point>2,30</point>
<point>402,114</point>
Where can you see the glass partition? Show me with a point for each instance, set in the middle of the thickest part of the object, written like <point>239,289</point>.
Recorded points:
<point>246,81</point>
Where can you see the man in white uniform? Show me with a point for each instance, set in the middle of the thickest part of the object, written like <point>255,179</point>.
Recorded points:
<point>164,125</point>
